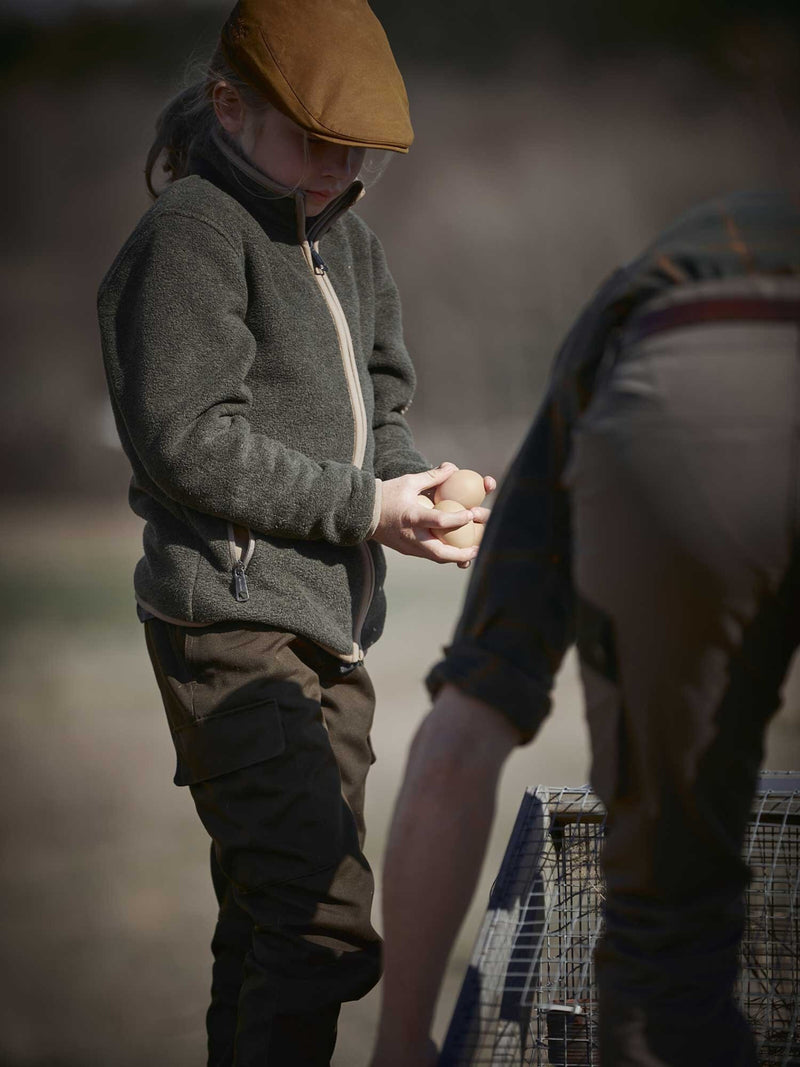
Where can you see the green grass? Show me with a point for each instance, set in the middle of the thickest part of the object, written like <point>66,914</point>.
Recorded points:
<point>49,593</point>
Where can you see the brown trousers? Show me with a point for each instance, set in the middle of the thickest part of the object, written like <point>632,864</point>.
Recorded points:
<point>685,495</point>
<point>272,738</point>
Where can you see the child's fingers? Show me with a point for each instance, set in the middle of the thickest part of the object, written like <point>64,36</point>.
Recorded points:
<point>430,547</point>
<point>433,519</point>
<point>489,484</point>
<point>431,478</point>
<point>481,515</point>
<point>437,550</point>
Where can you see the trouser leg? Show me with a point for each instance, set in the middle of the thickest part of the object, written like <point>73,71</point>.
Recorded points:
<point>288,861</point>
<point>230,944</point>
<point>348,703</point>
<point>684,489</point>
<point>298,1038</point>
<point>306,1038</point>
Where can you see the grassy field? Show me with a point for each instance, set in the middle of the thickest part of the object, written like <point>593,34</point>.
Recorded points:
<point>107,905</point>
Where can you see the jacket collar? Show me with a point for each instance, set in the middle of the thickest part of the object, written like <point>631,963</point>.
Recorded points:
<point>279,210</point>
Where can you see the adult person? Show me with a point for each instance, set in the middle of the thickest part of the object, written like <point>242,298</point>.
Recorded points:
<point>651,516</point>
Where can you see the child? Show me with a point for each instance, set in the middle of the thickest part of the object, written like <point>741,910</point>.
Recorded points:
<point>253,347</point>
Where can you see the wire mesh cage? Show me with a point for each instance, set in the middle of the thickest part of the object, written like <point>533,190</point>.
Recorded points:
<point>769,981</point>
<point>528,997</point>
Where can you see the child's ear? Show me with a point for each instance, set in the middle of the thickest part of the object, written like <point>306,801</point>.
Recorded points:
<point>228,107</point>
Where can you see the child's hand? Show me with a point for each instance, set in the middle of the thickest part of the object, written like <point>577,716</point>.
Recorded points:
<point>407,526</point>
<point>481,515</point>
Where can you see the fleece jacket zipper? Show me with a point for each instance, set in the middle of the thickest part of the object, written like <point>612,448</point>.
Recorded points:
<point>347,352</point>
<point>239,562</point>
<point>320,271</point>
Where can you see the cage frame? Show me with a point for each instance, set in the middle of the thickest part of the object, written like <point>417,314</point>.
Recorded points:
<point>525,1002</point>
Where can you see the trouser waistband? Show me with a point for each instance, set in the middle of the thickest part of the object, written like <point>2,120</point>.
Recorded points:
<point>721,309</point>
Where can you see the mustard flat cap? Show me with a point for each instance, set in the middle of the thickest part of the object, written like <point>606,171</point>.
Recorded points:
<point>326,64</point>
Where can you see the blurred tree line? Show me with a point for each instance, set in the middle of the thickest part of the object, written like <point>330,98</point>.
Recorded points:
<point>470,35</point>
<point>552,139</point>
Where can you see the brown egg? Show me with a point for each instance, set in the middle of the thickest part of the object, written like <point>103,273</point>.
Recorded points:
<point>462,536</point>
<point>465,486</point>
<point>479,528</point>
<point>425,502</point>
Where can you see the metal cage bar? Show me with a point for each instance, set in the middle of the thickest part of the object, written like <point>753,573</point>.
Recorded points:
<point>529,998</point>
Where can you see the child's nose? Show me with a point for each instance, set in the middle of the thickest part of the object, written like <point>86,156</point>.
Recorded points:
<point>340,161</point>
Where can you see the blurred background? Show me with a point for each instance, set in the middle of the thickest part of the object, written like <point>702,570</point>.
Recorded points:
<point>553,141</point>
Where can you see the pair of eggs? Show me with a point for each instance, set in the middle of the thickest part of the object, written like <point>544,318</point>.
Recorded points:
<point>463,489</point>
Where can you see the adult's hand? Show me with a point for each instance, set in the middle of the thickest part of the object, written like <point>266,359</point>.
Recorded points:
<point>408,526</point>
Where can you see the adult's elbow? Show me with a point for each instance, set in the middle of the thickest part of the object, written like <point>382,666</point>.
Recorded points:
<point>462,740</point>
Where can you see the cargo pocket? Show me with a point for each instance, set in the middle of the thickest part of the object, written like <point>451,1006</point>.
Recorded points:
<point>218,744</point>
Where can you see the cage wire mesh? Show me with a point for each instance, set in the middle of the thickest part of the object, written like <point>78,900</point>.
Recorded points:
<point>528,997</point>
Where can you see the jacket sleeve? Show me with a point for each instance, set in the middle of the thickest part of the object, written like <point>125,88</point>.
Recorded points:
<point>393,379</point>
<point>177,352</point>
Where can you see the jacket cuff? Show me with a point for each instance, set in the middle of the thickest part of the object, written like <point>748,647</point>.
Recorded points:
<point>497,682</point>
<point>397,464</point>
<point>376,509</point>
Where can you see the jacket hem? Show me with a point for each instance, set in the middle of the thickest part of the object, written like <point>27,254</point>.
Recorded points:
<point>355,655</point>
<point>168,618</point>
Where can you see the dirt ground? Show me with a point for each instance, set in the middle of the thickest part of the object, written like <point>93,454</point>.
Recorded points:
<point>107,905</point>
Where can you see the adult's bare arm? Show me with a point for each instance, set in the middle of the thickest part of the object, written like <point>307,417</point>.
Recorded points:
<point>436,846</point>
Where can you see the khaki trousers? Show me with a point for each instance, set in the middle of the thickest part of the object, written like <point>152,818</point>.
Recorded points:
<point>684,488</point>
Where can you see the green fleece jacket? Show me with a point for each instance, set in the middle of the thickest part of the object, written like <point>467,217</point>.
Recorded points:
<point>259,381</point>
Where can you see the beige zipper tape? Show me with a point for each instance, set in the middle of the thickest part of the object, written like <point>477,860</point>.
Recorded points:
<point>359,425</point>
<point>369,592</point>
<point>348,356</point>
<point>235,549</point>
<point>351,373</point>
<point>168,618</point>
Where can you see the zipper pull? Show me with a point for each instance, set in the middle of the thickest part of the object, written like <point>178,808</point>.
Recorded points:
<point>318,261</point>
<point>241,592</point>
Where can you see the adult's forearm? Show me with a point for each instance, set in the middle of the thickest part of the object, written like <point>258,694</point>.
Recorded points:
<point>436,847</point>
<point>435,854</point>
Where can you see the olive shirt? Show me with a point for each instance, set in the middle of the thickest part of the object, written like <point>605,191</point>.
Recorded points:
<point>257,409</point>
<point>519,618</point>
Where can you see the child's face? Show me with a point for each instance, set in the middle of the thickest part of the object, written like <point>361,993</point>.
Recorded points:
<point>293,158</point>
<point>289,156</point>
